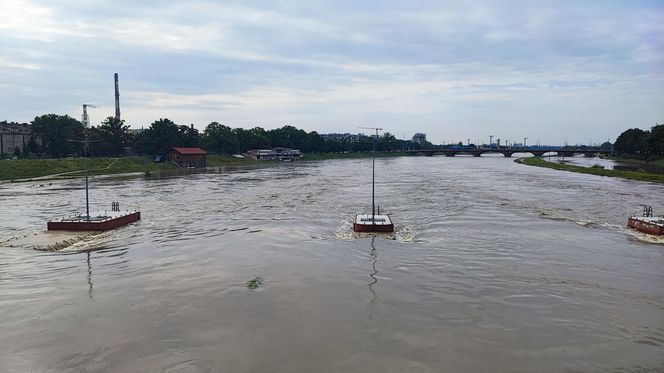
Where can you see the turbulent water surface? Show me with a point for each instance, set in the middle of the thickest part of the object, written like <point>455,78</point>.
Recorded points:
<point>494,267</point>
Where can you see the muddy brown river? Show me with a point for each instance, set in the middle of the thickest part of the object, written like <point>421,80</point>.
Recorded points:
<point>494,267</point>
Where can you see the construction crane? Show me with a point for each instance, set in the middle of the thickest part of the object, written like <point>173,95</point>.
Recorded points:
<point>86,119</point>
<point>372,128</point>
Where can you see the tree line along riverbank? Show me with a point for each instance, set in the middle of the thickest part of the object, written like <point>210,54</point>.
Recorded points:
<point>59,136</point>
<point>632,175</point>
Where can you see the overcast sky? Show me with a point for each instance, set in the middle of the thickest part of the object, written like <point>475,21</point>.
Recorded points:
<point>551,71</point>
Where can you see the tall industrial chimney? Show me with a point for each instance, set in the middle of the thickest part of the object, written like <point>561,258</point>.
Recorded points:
<point>117,98</point>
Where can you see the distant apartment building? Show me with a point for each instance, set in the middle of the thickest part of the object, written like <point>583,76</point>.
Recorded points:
<point>351,137</point>
<point>420,138</point>
<point>13,137</point>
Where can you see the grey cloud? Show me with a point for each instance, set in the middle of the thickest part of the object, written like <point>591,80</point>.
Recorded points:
<point>413,66</point>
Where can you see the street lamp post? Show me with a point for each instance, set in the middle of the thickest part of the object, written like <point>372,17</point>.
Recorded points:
<point>85,156</point>
<point>373,174</point>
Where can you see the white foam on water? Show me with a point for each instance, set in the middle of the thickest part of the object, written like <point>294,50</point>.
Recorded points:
<point>88,242</point>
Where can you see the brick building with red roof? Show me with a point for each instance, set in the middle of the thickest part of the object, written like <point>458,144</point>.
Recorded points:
<point>187,157</point>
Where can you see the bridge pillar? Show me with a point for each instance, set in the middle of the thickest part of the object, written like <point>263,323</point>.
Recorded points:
<point>477,154</point>
<point>538,154</point>
<point>507,154</point>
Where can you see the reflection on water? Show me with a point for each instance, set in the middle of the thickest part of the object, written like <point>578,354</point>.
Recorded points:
<point>374,280</point>
<point>494,266</point>
<point>89,274</point>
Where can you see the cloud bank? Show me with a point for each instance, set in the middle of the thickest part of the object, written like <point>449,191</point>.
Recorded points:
<point>553,71</point>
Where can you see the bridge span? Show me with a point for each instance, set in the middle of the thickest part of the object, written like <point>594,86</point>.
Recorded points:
<point>507,152</point>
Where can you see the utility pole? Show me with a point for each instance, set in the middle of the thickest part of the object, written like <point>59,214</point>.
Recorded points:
<point>524,141</point>
<point>85,156</point>
<point>373,174</point>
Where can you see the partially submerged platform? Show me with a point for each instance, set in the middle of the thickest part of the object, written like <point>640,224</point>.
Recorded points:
<point>373,223</point>
<point>98,221</point>
<point>647,224</point>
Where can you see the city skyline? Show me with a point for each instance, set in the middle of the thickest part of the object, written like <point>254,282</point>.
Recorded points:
<point>554,71</point>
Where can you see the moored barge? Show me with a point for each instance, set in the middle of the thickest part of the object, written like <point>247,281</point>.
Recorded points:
<point>373,223</point>
<point>647,223</point>
<point>97,221</point>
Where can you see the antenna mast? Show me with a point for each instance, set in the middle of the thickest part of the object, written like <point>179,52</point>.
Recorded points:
<point>85,143</point>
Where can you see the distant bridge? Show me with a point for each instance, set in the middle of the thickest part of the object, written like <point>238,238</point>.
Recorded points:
<point>508,151</point>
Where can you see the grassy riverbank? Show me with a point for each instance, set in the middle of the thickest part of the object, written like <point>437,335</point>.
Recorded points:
<point>658,162</point>
<point>26,169</point>
<point>214,160</point>
<point>73,167</point>
<point>633,175</point>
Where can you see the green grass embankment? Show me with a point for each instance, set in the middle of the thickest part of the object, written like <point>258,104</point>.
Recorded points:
<point>658,162</point>
<point>26,169</point>
<point>633,175</point>
<point>214,160</point>
<point>73,167</point>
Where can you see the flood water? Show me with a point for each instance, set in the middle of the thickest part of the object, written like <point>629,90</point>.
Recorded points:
<point>494,267</point>
<point>608,164</point>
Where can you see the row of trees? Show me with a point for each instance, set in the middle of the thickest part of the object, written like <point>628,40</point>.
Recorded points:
<point>60,135</point>
<point>641,144</point>
<point>221,139</point>
<point>63,135</point>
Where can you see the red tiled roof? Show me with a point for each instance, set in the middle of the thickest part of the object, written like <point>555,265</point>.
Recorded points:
<point>190,150</point>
